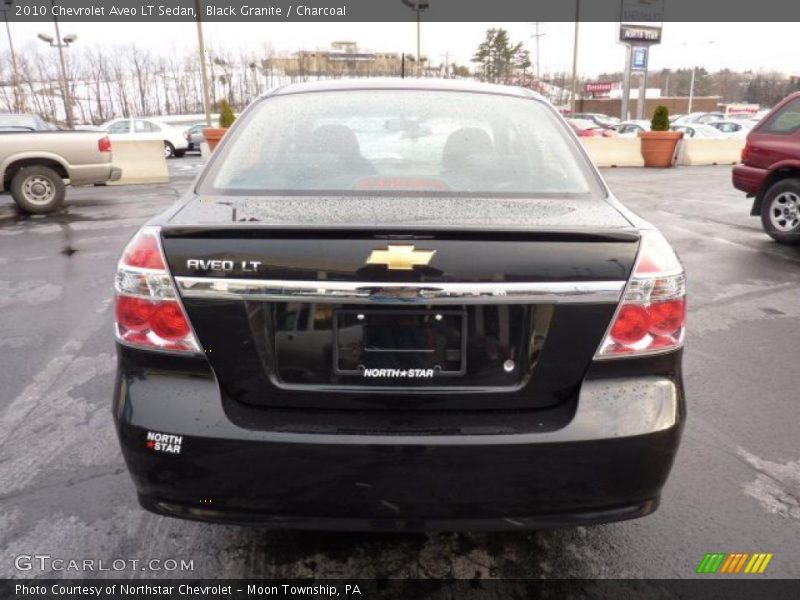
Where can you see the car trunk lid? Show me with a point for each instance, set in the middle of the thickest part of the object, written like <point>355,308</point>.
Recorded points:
<point>501,317</point>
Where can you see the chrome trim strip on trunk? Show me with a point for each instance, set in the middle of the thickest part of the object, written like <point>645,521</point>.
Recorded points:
<point>348,292</point>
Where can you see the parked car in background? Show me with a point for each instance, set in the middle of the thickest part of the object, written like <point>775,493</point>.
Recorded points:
<point>600,120</point>
<point>194,136</point>
<point>698,130</point>
<point>584,128</point>
<point>35,166</point>
<point>770,171</point>
<point>24,122</point>
<point>732,128</point>
<point>708,117</point>
<point>632,128</point>
<point>175,143</point>
<point>698,117</point>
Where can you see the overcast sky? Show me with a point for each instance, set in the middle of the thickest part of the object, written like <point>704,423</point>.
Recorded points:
<point>756,46</point>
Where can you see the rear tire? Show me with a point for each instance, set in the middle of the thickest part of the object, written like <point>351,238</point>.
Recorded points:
<point>780,211</point>
<point>38,189</point>
<point>169,150</point>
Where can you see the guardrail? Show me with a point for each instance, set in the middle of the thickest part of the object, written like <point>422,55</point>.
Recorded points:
<point>614,151</point>
<point>140,161</point>
<point>626,151</point>
<point>693,151</point>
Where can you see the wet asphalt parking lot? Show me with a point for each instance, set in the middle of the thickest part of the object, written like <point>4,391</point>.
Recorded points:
<point>735,486</point>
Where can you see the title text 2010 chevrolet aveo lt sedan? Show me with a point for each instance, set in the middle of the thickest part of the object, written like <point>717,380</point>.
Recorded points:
<point>399,305</point>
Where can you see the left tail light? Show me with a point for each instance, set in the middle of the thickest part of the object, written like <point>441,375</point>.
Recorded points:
<point>747,149</point>
<point>651,317</point>
<point>104,144</point>
<point>149,314</point>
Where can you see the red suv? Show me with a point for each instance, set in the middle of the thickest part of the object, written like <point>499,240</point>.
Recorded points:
<point>771,170</point>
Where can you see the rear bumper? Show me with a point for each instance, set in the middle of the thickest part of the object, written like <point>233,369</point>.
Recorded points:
<point>91,174</point>
<point>608,463</point>
<point>748,179</point>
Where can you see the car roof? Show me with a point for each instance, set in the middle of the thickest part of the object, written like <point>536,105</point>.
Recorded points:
<point>376,83</point>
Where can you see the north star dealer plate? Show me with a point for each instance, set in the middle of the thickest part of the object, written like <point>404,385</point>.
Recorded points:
<point>399,343</point>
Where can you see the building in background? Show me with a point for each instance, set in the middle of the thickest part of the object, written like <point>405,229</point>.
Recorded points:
<point>344,59</point>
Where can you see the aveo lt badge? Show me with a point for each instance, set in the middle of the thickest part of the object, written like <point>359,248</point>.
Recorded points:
<point>400,257</point>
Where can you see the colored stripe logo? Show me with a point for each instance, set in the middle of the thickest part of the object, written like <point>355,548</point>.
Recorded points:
<point>734,563</point>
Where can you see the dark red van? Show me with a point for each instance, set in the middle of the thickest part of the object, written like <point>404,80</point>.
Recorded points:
<point>770,170</point>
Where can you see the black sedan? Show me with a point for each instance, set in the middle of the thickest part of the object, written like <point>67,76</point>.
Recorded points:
<point>399,305</point>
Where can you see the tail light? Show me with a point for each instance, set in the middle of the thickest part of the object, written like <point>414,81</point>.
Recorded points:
<point>746,150</point>
<point>149,313</point>
<point>652,314</point>
<point>104,144</point>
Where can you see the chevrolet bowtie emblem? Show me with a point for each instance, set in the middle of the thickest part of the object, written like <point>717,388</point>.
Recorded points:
<point>400,258</point>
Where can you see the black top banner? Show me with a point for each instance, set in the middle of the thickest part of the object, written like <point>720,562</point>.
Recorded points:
<point>646,11</point>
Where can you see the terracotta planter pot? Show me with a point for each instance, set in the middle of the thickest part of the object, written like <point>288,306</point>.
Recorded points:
<point>658,147</point>
<point>213,135</point>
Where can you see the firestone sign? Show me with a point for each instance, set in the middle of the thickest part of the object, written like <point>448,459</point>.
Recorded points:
<point>599,88</point>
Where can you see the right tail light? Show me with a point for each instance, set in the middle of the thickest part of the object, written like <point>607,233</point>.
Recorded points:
<point>652,313</point>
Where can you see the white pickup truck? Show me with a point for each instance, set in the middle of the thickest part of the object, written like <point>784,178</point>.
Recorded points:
<point>36,166</point>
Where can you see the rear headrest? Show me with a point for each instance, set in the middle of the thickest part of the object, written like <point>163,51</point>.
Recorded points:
<point>463,143</point>
<point>335,139</point>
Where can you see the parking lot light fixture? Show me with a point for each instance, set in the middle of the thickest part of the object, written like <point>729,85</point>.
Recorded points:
<point>61,43</point>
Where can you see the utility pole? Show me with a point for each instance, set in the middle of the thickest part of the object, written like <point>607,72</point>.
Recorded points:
<point>575,57</point>
<point>17,95</point>
<point>204,73</point>
<point>536,36</point>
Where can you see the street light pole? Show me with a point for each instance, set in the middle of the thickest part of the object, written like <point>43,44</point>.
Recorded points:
<point>62,43</point>
<point>61,46</point>
<point>17,95</point>
<point>575,57</point>
<point>203,71</point>
<point>418,6</point>
<point>691,82</point>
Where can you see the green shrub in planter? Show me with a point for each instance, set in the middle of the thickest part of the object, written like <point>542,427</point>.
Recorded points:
<point>226,116</point>
<point>660,120</point>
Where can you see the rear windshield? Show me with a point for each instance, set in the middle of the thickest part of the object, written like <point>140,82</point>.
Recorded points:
<point>390,141</point>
